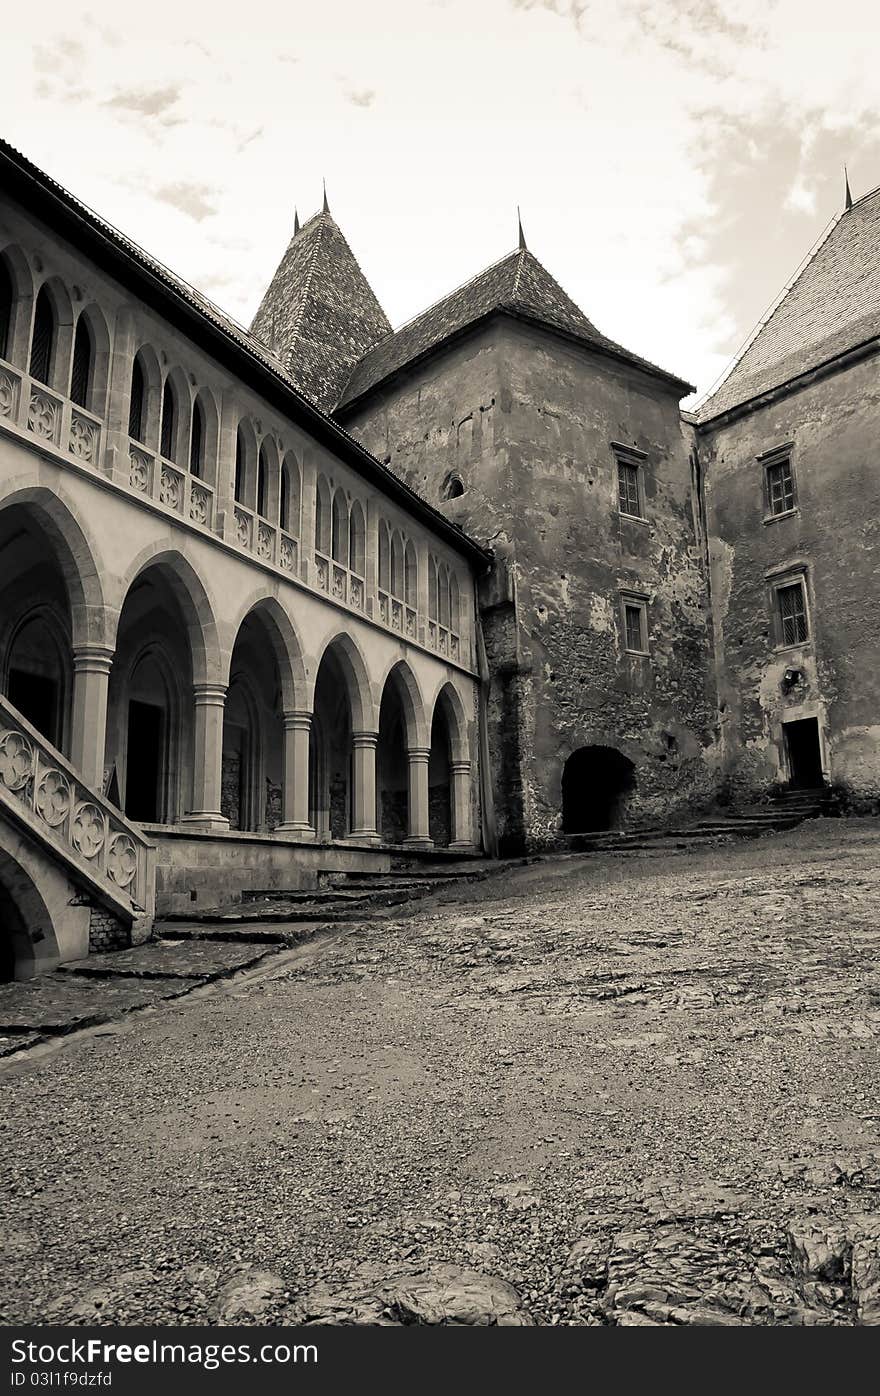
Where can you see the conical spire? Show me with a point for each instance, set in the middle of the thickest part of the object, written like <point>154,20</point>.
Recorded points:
<point>522,236</point>
<point>847,197</point>
<point>326,207</point>
<point>295,221</point>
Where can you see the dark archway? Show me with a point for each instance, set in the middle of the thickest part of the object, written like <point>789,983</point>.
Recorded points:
<point>392,767</point>
<point>253,732</point>
<point>596,784</point>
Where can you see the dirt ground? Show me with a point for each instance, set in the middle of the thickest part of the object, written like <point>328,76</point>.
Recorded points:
<point>636,1089</point>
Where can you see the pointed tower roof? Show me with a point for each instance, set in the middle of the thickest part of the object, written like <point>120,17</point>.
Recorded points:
<point>832,305</point>
<point>518,286</point>
<point>319,315</point>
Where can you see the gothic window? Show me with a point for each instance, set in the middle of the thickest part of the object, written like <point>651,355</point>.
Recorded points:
<point>81,373</point>
<point>454,608</point>
<point>290,493</point>
<point>262,484</point>
<point>322,516</point>
<point>136,401</point>
<point>356,536</point>
<point>384,557</point>
<point>339,539</point>
<point>396,564</point>
<point>433,590</point>
<point>7,297</point>
<point>411,576</point>
<point>240,456</point>
<point>43,337</point>
<point>167,446</point>
<point>197,441</point>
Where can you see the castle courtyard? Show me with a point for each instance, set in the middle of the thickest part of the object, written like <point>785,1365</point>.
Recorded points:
<point>634,1089</point>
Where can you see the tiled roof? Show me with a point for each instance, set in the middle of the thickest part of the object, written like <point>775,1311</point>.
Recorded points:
<point>832,306</point>
<point>519,285</point>
<point>319,315</point>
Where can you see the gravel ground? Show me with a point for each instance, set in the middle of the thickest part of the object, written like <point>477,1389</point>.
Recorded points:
<point>638,1090</point>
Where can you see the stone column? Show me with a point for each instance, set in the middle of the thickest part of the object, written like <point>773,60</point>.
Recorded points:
<point>418,833</point>
<point>88,727</point>
<point>209,699</point>
<point>363,795</point>
<point>460,801</point>
<point>295,777</point>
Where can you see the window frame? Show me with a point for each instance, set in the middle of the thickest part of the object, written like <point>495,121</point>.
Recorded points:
<point>636,601</point>
<point>777,457</point>
<point>779,582</point>
<point>630,458</point>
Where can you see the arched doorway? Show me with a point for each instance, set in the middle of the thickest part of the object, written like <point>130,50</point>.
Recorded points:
<point>35,625</point>
<point>28,943</point>
<point>439,776</point>
<point>597,782</point>
<point>253,730</point>
<point>330,773</point>
<point>400,730</point>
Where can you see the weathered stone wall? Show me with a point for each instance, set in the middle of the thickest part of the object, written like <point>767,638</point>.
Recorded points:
<point>835,533</point>
<point>526,422</point>
<point>106,931</point>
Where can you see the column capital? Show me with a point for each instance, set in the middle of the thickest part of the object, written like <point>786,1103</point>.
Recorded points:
<point>297,719</point>
<point>96,659</point>
<point>418,753</point>
<point>209,694</point>
<point>364,740</point>
<point>459,768</point>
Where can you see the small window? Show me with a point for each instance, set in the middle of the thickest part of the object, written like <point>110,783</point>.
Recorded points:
<point>780,487</point>
<point>169,421</point>
<point>262,484</point>
<point>136,402</point>
<point>635,625</point>
<point>792,605</point>
<point>628,489</point>
<point>81,373</point>
<point>197,441</point>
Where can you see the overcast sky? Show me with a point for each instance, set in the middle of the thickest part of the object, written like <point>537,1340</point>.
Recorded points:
<point>674,159</point>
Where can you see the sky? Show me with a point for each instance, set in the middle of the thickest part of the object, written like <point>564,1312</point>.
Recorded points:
<point>674,160</point>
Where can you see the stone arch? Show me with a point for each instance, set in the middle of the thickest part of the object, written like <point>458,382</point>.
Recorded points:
<point>28,938</point>
<point>152,679</point>
<point>402,729</point>
<point>323,507</point>
<point>196,606</point>
<point>99,375</point>
<point>174,434</point>
<point>397,565</point>
<point>204,437</point>
<point>410,574</point>
<point>348,655</point>
<point>384,555</point>
<point>448,747</point>
<point>58,297</point>
<point>339,539</point>
<point>357,539</point>
<point>244,484</point>
<point>401,675</point>
<point>447,701</point>
<point>36,672</point>
<point>290,502</point>
<point>597,782</point>
<point>145,397</point>
<point>284,643</point>
<point>268,480</point>
<point>21,309</point>
<point>242,799</point>
<point>75,551</point>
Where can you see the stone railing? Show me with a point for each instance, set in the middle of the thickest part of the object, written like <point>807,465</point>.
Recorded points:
<point>443,640</point>
<point>50,418</point>
<point>88,833</point>
<point>339,582</point>
<point>398,615</point>
<point>165,483</point>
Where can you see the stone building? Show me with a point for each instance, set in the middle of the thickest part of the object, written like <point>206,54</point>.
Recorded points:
<point>209,684</point>
<point>508,409</point>
<point>787,448</point>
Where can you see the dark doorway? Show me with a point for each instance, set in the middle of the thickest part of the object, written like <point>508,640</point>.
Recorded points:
<point>596,783</point>
<point>144,760</point>
<point>38,698</point>
<point>804,753</point>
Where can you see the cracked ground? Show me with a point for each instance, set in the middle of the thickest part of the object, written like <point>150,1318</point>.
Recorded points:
<point>623,1090</point>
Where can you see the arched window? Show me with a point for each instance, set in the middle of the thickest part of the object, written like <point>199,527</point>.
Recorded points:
<point>262,484</point>
<point>168,437</point>
<point>396,564</point>
<point>433,609</point>
<point>452,486</point>
<point>443,588</point>
<point>322,515</point>
<point>43,337</point>
<point>454,610</point>
<point>384,557</point>
<point>137,401</point>
<point>197,441</point>
<point>7,296</point>
<point>290,500</point>
<point>356,538</point>
<point>339,540</point>
<point>239,466</point>
<point>81,373</point>
<point>411,576</point>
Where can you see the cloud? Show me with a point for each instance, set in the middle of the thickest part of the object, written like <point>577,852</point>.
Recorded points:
<point>197,201</point>
<point>363,97</point>
<point>146,101</point>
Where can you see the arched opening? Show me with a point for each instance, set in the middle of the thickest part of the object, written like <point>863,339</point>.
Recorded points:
<point>36,625</point>
<point>28,942</point>
<point>392,764</point>
<point>433,590</point>
<point>454,606</point>
<point>339,539</point>
<point>83,364</point>
<point>43,337</point>
<point>397,565</point>
<point>322,516</point>
<point>356,540</point>
<point>384,556</point>
<point>411,575</point>
<point>149,748</point>
<point>263,484</point>
<point>597,782</point>
<point>7,301</point>
<point>253,730</point>
<point>452,486</point>
<point>439,776</point>
<point>137,402</point>
<point>330,765</point>
<point>168,433</point>
<point>290,495</point>
<point>197,441</point>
